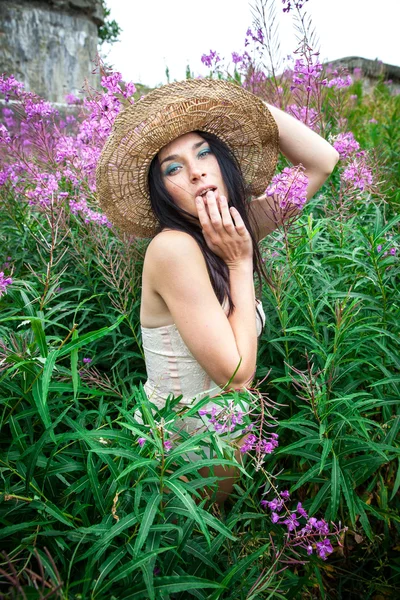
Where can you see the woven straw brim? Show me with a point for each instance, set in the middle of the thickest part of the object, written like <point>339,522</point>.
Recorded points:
<point>234,115</point>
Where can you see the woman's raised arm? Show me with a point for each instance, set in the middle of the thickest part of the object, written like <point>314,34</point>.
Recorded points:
<point>303,146</point>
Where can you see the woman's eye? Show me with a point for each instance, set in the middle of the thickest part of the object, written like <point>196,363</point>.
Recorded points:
<point>204,152</point>
<point>172,169</point>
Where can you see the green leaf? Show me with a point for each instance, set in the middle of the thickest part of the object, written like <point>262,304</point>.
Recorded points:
<point>349,495</point>
<point>38,332</point>
<point>147,521</point>
<point>109,564</point>
<point>180,492</point>
<point>326,448</point>
<point>41,406</point>
<point>47,372</point>
<point>143,462</point>
<point>127,568</point>
<point>74,365</point>
<point>312,472</point>
<point>396,484</point>
<point>95,485</point>
<point>364,519</point>
<point>335,487</point>
<point>87,338</point>
<point>174,584</point>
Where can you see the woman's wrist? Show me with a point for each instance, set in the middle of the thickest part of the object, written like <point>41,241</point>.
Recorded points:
<point>245,265</point>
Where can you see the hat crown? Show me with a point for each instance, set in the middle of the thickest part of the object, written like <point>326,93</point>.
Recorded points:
<point>233,114</point>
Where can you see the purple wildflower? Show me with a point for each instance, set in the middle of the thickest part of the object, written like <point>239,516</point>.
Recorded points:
<point>4,282</point>
<point>209,59</point>
<point>141,441</point>
<point>379,248</point>
<point>358,174</point>
<point>167,445</point>
<point>285,494</point>
<point>276,504</point>
<point>300,510</point>
<point>346,144</point>
<point>86,361</point>
<point>236,58</point>
<point>324,548</point>
<point>291,522</point>
<point>290,187</point>
<point>264,503</point>
<point>340,82</point>
<point>393,251</point>
<point>274,517</point>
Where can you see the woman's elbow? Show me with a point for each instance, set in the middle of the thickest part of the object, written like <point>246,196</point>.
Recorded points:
<point>332,161</point>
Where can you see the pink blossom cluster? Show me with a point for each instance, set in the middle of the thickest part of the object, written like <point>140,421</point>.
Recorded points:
<point>311,536</point>
<point>346,144</point>
<point>71,99</point>
<point>290,4</point>
<point>46,188</point>
<point>307,71</point>
<point>392,251</point>
<point>4,282</point>
<point>41,153</point>
<point>210,60</point>
<point>358,174</point>
<point>224,420</point>
<point>260,445</point>
<point>167,443</point>
<point>257,36</point>
<point>88,214</point>
<point>290,187</point>
<point>10,86</point>
<point>340,82</point>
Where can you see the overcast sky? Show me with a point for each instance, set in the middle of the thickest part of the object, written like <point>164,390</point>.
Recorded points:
<point>174,33</point>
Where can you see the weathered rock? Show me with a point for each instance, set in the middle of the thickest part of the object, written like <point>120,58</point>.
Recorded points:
<point>50,45</point>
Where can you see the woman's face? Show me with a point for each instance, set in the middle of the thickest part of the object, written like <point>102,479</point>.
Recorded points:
<point>188,168</point>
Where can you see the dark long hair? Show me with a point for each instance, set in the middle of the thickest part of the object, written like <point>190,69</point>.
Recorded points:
<point>172,216</point>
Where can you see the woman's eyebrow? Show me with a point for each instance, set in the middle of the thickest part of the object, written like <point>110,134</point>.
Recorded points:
<point>174,156</point>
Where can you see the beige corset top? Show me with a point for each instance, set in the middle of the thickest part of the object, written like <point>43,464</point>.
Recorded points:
<point>172,368</point>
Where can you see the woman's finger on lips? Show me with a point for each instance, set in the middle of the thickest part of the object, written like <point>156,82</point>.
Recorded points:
<point>202,212</point>
<point>213,209</point>
<point>226,215</point>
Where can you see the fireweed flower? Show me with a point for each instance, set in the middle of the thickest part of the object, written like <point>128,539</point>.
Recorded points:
<point>167,445</point>
<point>141,441</point>
<point>86,361</point>
<point>4,282</point>
<point>289,5</point>
<point>209,59</point>
<point>291,522</point>
<point>290,187</point>
<point>346,144</point>
<point>358,174</point>
<point>340,82</point>
<point>324,548</point>
<point>307,536</point>
<point>88,214</point>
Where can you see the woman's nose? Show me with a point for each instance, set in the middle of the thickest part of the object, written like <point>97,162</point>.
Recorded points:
<point>196,172</point>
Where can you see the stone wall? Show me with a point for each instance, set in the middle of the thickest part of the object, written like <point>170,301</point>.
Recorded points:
<point>49,45</point>
<point>370,71</point>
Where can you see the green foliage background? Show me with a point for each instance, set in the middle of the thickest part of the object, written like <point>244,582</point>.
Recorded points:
<point>86,510</point>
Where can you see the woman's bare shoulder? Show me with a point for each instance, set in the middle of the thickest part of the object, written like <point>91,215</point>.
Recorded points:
<point>171,245</point>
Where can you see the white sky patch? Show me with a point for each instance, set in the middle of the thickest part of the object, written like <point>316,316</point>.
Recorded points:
<point>175,33</point>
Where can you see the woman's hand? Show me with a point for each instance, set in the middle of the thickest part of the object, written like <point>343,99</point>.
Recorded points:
<point>223,229</point>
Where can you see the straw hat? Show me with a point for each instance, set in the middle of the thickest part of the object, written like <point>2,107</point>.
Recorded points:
<point>236,116</point>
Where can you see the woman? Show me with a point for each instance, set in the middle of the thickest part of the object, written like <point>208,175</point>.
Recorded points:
<point>188,165</point>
